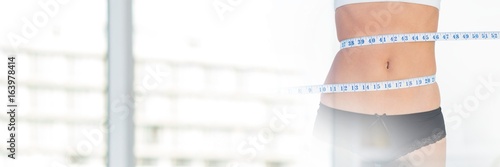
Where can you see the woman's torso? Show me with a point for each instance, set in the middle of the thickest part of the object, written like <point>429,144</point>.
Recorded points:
<point>384,62</point>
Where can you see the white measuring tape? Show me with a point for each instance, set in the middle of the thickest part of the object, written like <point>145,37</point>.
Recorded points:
<point>393,38</point>
<point>365,87</point>
<point>418,37</point>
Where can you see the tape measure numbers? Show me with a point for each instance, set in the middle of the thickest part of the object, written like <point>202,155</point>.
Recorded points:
<point>387,39</point>
<point>418,37</point>
<point>364,87</point>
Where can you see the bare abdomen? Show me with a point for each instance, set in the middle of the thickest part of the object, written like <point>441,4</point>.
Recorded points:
<point>384,62</point>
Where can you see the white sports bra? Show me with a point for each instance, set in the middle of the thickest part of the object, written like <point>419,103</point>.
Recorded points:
<point>434,3</point>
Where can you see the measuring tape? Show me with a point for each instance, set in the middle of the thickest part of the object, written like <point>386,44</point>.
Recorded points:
<point>364,87</point>
<point>393,38</point>
<point>418,37</point>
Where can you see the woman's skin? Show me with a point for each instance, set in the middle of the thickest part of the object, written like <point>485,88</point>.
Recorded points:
<point>388,62</point>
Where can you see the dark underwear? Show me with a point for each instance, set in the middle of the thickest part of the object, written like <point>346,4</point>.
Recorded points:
<point>378,139</point>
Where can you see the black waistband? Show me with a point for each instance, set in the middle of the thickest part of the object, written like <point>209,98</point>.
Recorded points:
<point>387,136</point>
